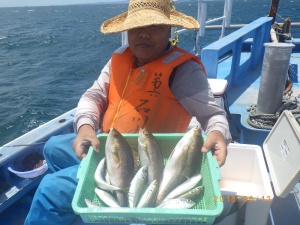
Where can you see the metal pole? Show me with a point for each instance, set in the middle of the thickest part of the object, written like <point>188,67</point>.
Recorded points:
<point>273,77</point>
<point>273,9</point>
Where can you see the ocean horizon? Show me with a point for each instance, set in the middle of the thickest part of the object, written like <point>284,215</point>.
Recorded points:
<point>3,4</point>
<point>50,55</point>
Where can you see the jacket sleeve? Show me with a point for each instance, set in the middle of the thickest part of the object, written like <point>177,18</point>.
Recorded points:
<point>190,86</point>
<point>93,102</point>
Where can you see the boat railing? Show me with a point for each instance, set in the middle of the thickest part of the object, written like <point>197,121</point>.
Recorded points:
<point>232,45</point>
<point>33,141</point>
<point>59,125</point>
<point>206,23</point>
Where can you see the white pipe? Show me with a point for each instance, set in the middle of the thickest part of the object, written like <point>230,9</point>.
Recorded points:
<point>215,20</point>
<point>202,10</point>
<point>227,12</point>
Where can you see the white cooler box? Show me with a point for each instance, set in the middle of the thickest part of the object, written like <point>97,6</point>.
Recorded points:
<point>244,177</point>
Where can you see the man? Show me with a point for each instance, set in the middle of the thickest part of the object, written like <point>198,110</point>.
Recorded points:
<point>147,84</point>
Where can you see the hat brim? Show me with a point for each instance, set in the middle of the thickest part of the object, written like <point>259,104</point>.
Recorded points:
<point>124,22</point>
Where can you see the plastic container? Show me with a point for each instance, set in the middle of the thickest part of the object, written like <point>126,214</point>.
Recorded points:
<point>250,169</point>
<point>16,167</point>
<point>245,180</point>
<point>205,211</point>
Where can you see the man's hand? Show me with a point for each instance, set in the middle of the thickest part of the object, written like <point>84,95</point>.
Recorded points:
<point>215,141</point>
<point>85,138</point>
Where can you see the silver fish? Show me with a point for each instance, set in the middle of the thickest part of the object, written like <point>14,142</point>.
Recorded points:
<point>149,196</point>
<point>107,198</point>
<point>91,204</point>
<point>120,164</point>
<point>193,194</point>
<point>183,162</point>
<point>107,177</point>
<point>184,187</point>
<point>178,203</point>
<point>99,178</point>
<point>150,155</point>
<point>137,185</point>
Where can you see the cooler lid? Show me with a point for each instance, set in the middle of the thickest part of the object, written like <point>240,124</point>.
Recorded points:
<point>282,151</point>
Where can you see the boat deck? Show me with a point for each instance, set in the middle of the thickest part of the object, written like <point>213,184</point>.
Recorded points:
<point>238,58</point>
<point>244,95</point>
<point>240,97</point>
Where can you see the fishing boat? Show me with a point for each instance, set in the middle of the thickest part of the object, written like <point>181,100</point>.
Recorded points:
<point>244,72</point>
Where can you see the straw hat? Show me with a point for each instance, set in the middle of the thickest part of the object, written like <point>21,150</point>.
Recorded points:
<point>148,12</point>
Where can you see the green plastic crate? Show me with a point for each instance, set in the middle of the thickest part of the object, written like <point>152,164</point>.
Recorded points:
<point>204,212</point>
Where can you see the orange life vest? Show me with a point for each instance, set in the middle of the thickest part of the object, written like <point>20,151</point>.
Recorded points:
<point>141,97</point>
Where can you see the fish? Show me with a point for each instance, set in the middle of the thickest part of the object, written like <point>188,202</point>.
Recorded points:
<point>150,155</point>
<point>107,198</point>
<point>193,194</point>
<point>119,163</point>
<point>107,177</point>
<point>137,185</point>
<point>136,157</point>
<point>184,161</point>
<point>99,178</point>
<point>184,187</point>
<point>149,196</point>
<point>178,203</point>
<point>91,204</point>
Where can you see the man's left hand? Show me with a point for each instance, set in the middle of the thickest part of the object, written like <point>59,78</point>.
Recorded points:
<point>216,142</point>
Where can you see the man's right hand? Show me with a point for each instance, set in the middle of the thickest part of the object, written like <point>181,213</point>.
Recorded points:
<point>85,138</point>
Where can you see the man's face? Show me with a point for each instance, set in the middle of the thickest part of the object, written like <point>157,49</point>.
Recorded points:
<point>149,43</point>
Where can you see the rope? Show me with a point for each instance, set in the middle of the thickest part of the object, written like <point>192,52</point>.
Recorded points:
<point>267,121</point>
<point>283,31</point>
<point>279,16</point>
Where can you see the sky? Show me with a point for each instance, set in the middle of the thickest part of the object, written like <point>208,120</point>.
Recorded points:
<point>20,3</point>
